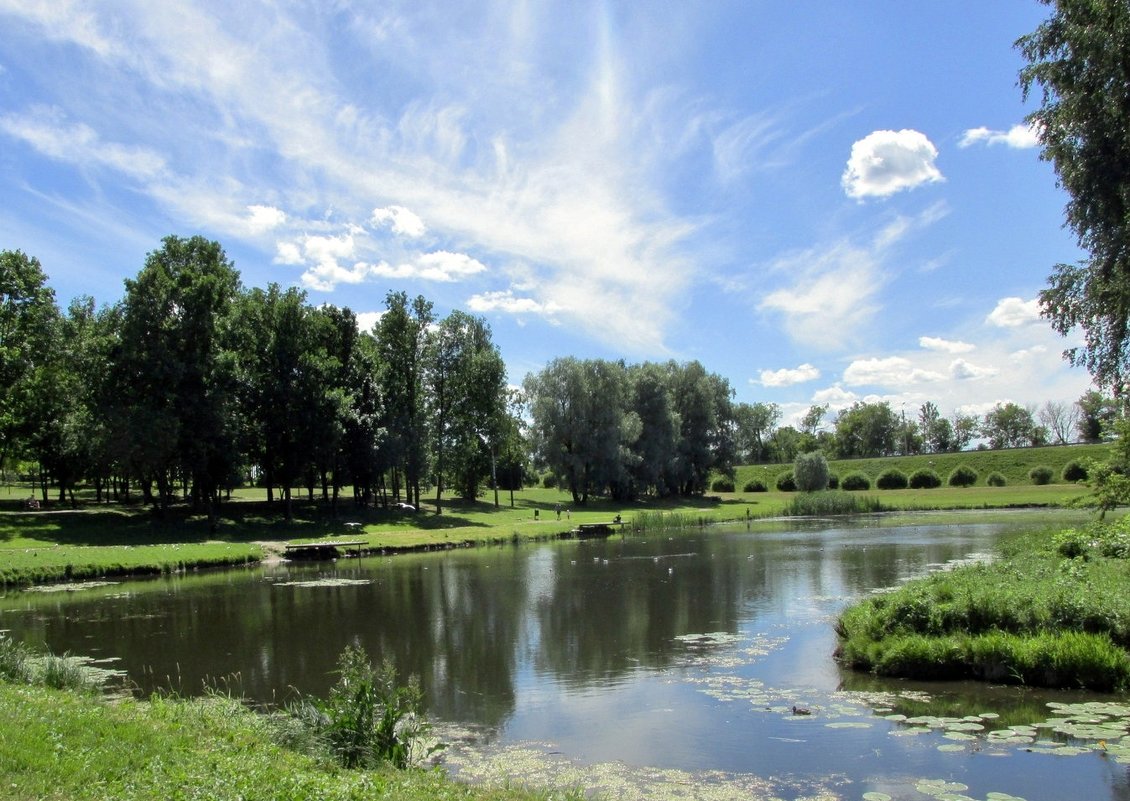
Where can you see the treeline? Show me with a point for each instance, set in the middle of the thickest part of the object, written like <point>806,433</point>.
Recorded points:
<point>603,427</point>
<point>192,385</point>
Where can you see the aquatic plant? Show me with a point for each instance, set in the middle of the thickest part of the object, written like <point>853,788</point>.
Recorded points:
<point>369,718</point>
<point>832,502</point>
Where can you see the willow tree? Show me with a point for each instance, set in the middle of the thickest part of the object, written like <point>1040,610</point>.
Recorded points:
<point>1078,60</point>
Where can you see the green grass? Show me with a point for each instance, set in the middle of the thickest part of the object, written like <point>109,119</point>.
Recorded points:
<point>67,745</point>
<point>59,543</point>
<point>1032,616</point>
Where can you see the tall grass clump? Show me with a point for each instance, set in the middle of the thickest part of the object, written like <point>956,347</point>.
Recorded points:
<point>891,479</point>
<point>832,502</point>
<point>786,482</point>
<point>855,482</point>
<point>924,478</point>
<point>722,484</point>
<point>963,476</point>
<point>1074,471</point>
<point>15,663</point>
<point>369,718</point>
<point>755,485</point>
<point>1041,475</point>
<point>996,479</point>
<point>666,521</point>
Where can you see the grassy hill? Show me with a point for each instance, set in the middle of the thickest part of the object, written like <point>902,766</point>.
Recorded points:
<point>1013,464</point>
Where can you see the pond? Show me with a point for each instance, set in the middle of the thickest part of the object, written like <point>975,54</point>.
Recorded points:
<point>687,665</point>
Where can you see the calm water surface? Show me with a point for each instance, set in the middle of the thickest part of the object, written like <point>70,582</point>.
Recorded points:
<point>641,666</point>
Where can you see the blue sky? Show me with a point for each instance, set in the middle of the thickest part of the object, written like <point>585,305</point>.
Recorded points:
<point>824,202</point>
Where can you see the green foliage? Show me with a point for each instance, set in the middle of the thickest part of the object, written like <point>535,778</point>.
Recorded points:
<point>867,429</point>
<point>786,482</point>
<point>1010,425</point>
<point>549,481</point>
<point>14,660</point>
<point>1074,471</point>
<point>963,476</point>
<point>368,718</point>
<point>1055,612</point>
<point>995,479</point>
<point>1041,475</point>
<point>856,481</point>
<point>722,484</point>
<point>1076,59</point>
<point>810,472</point>
<point>891,479</point>
<point>833,481</point>
<point>924,479</point>
<point>832,502</point>
<point>755,485</point>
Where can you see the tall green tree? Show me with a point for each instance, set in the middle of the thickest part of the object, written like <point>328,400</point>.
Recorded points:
<point>868,429</point>
<point>1077,61</point>
<point>28,326</point>
<point>1009,425</point>
<point>466,382</point>
<point>401,336</point>
<point>754,426</point>
<point>176,376</point>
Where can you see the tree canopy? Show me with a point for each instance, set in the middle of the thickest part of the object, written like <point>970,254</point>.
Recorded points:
<point>1077,59</point>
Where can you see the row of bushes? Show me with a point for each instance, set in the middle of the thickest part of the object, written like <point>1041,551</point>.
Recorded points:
<point>893,478</point>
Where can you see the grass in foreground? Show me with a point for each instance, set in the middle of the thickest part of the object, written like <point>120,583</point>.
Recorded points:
<point>63,739</point>
<point>1053,610</point>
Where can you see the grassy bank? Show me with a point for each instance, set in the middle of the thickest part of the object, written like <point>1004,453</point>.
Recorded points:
<point>1052,610</point>
<point>100,541</point>
<point>59,744</point>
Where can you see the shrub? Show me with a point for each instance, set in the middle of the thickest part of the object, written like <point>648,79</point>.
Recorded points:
<point>1041,475</point>
<point>1074,471</point>
<point>962,476</point>
<point>891,479</point>
<point>755,485</point>
<point>833,481</point>
<point>722,485</point>
<point>368,718</point>
<point>786,482</point>
<point>810,472</point>
<point>996,480</point>
<point>924,478</point>
<point>855,482</point>
<point>549,481</point>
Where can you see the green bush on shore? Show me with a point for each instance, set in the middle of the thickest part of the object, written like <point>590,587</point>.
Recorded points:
<point>1056,612</point>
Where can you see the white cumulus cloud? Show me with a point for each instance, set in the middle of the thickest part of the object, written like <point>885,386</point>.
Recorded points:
<point>506,301</point>
<point>945,345</point>
<point>1020,136</point>
<point>962,370</point>
<point>885,162</point>
<point>889,371</point>
<point>264,218</point>
<point>787,377</point>
<point>403,221</point>
<point>1014,312</point>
